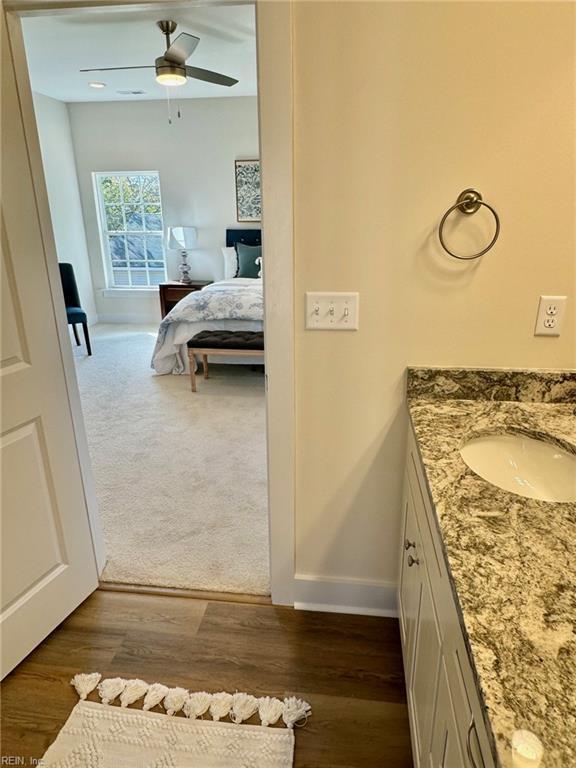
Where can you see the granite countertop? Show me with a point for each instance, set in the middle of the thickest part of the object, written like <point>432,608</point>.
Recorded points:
<point>512,560</point>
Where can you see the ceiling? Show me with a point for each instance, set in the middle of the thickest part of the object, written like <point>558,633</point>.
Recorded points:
<point>59,46</point>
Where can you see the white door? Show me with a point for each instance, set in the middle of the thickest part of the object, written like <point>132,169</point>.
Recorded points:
<point>48,563</point>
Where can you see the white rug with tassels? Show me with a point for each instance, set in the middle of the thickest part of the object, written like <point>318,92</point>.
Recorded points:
<point>108,735</point>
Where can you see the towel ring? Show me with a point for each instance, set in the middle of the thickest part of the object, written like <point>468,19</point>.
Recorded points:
<point>468,202</point>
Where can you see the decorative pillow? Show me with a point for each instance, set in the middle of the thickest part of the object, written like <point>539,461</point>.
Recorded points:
<point>247,255</point>
<point>230,263</point>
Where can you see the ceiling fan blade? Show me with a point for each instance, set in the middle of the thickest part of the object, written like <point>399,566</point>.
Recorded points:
<point>181,48</point>
<point>210,77</point>
<point>112,69</point>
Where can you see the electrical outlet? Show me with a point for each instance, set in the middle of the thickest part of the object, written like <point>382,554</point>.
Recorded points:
<point>550,315</point>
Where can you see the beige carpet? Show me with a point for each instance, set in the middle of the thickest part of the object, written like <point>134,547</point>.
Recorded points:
<point>180,478</point>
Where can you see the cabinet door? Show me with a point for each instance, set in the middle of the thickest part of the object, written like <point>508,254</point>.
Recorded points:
<point>410,585</point>
<point>445,748</point>
<point>427,656</point>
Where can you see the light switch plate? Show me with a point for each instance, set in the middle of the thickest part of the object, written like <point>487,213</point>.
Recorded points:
<point>550,315</point>
<point>332,311</point>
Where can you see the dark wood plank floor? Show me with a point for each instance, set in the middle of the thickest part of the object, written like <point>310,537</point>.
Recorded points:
<point>348,667</point>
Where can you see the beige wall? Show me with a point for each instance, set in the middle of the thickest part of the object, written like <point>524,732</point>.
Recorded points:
<point>398,107</point>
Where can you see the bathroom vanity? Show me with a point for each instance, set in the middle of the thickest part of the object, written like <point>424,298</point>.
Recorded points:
<point>487,577</point>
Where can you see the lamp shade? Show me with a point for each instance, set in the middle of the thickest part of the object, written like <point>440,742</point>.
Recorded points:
<point>181,237</point>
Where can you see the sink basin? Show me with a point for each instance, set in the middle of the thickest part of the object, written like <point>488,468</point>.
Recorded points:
<point>524,465</point>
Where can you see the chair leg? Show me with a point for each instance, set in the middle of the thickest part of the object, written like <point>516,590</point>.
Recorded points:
<point>87,338</point>
<point>76,334</point>
<point>205,365</point>
<point>192,362</point>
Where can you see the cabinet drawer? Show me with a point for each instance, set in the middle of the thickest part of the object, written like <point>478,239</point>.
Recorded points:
<point>176,293</point>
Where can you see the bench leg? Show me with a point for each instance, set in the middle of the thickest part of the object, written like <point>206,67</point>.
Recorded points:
<point>192,363</point>
<point>205,365</point>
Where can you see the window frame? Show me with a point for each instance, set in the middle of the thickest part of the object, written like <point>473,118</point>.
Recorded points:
<point>104,233</point>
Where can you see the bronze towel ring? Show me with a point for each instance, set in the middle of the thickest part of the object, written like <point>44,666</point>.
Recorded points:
<point>468,202</point>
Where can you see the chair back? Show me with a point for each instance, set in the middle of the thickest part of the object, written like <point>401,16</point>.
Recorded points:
<point>71,295</point>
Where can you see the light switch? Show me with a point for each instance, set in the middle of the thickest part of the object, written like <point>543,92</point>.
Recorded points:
<point>332,311</point>
<point>550,315</point>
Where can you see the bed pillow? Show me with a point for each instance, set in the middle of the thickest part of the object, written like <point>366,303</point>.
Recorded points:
<point>230,263</point>
<point>247,255</point>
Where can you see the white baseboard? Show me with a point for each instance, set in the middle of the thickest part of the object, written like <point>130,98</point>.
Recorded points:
<point>369,598</point>
<point>136,318</point>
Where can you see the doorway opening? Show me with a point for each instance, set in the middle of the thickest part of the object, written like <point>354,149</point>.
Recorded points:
<point>149,186</point>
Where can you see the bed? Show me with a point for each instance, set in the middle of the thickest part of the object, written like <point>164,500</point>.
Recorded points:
<point>234,304</point>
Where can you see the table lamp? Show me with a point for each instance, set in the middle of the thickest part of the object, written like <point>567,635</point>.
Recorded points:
<point>182,239</point>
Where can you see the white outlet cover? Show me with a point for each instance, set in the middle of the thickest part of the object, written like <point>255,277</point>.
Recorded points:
<point>550,315</point>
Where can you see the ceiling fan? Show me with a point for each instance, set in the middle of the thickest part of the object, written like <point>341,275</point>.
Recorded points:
<point>171,68</point>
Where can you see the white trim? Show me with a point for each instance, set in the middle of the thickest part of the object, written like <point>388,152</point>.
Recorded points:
<point>131,318</point>
<point>129,293</point>
<point>274,47</point>
<point>340,595</point>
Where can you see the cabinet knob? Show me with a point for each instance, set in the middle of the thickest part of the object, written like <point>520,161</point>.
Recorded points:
<point>412,561</point>
<point>409,544</point>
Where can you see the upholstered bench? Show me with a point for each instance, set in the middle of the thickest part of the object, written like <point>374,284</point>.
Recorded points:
<point>226,343</point>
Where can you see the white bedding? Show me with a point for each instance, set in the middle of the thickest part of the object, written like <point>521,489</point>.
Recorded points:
<point>228,304</point>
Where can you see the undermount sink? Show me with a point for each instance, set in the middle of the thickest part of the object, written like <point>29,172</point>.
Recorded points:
<point>524,465</point>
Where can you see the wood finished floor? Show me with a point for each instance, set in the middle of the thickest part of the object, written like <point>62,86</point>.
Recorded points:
<point>348,667</point>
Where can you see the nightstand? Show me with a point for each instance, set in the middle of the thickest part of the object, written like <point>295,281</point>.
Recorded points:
<point>171,293</point>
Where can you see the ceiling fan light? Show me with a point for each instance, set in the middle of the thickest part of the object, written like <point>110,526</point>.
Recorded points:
<point>170,74</point>
<point>170,79</point>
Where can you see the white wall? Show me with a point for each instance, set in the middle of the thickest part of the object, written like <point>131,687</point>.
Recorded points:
<point>195,158</point>
<point>63,194</point>
<point>398,107</point>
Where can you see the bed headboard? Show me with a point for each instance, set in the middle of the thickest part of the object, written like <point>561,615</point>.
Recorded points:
<point>246,236</point>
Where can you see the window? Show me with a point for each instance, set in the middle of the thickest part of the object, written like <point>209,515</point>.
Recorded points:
<point>131,228</point>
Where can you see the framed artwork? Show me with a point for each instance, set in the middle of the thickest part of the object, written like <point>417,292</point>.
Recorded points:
<point>248,199</point>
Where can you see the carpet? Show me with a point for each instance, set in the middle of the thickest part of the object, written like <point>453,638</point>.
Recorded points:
<point>180,478</point>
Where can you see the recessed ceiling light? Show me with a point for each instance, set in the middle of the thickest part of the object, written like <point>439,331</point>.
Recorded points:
<point>97,85</point>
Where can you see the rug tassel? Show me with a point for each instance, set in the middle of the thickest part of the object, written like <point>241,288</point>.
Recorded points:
<point>220,705</point>
<point>174,700</point>
<point>270,709</point>
<point>154,696</point>
<point>85,683</point>
<point>239,706</point>
<point>243,707</point>
<point>295,710</point>
<point>133,691</point>
<point>110,688</point>
<point>197,704</point>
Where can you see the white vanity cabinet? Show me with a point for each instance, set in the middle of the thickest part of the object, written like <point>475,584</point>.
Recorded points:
<point>446,721</point>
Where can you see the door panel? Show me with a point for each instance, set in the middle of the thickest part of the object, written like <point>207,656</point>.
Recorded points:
<point>427,656</point>
<point>48,564</point>
<point>445,749</point>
